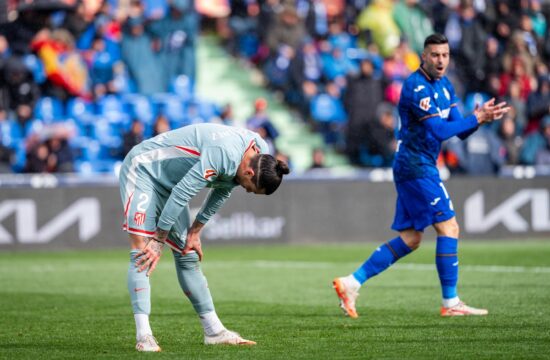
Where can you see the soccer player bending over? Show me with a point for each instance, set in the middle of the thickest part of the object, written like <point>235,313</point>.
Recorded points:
<point>157,180</point>
<point>429,116</point>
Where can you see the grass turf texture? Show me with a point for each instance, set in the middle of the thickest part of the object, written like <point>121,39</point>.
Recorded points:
<point>75,305</point>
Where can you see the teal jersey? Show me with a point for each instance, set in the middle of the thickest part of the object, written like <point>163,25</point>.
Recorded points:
<point>179,163</point>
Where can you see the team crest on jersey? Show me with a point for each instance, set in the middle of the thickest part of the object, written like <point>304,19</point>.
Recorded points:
<point>447,95</point>
<point>139,218</point>
<point>209,173</point>
<point>424,103</point>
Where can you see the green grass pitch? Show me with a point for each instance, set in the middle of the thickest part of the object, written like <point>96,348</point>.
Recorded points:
<point>75,305</point>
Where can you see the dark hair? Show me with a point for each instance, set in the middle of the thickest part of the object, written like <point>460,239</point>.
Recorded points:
<point>268,172</point>
<point>435,39</point>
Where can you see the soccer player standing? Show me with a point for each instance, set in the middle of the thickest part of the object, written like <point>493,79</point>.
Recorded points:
<point>157,180</point>
<point>429,116</point>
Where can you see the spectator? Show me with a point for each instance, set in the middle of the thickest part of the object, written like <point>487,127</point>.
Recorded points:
<point>467,40</point>
<point>316,20</point>
<point>160,126</point>
<point>138,55</point>
<point>317,159</point>
<point>535,143</point>
<point>61,155</point>
<point>260,119</point>
<point>17,84</point>
<point>363,94</point>
<point>380,143</point>
<point>510,140</point>
<point>518,105</point>
<point>484,153</point>
<point>377,20</point>
<point>543,154</point>
<point>226,115</point>
<point>39,158</point>
<point>177,35</point>
<point>101,65</point>
<point>538,104</point>
<point>413,23</point>
<point>132,137</point>
<point>287,30</point>
<point>65,69</point>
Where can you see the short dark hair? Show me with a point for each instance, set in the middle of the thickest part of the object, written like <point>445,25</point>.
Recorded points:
<point>268,172</point>
<point>435,39</point>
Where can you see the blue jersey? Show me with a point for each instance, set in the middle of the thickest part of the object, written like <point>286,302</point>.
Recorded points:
<point>422,98</point>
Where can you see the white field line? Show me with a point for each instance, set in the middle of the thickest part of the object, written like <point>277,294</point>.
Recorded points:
<point>414,267</point>
<point>271,264</point>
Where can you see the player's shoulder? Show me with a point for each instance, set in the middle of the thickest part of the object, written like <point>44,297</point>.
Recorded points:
<point>416,86</point>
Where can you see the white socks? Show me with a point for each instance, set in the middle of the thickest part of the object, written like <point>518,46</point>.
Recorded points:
<point>352,281</point>
<point>142,325</point>
<point>448,303</point>
<point>211,323</point>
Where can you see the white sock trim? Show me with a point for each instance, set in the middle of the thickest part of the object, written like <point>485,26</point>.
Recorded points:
<point>448,303</point>
<point>352,281</point>
<point>211,323</point>
<point>142,325</point>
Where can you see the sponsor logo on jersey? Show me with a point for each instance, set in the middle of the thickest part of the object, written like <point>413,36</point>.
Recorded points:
<point>436,200</point>
<point>209,173</point>
<point>444,114</point>
<point>424,103</point>
<point>419,88</point>
<point>139,218</point>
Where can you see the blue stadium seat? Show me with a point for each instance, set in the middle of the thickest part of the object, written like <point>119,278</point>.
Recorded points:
<point>48,109</point>
<point>472,99</point>
<point>111,108</point>
<point>80,110</point>
<point>36,67</point>
<point>140,107</point>
<point>182,86</point>
<point>171,106</point>
<point>325,108</point>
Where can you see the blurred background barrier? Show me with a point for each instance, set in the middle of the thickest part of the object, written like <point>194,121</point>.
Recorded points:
<point>45,212</point>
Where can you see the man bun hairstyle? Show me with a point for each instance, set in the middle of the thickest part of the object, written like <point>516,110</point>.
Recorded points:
<point>268,172</point>
<point>435,39</point>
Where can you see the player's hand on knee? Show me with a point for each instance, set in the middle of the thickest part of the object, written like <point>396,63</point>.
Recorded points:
<point>149,256</point>
<point>193,242</point>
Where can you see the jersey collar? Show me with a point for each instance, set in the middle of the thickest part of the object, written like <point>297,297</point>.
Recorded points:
<point>423,72</point>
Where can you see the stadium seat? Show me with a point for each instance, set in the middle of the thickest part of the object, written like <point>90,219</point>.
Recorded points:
<point>182,86</point>
<point>80,110</point>
<point>171,106</point>
<point>48,109</point>
<point>111,108</point>
<point>472,99</point>
<point>140,107</point>
<point>325,108</point>
<point>35,65</point>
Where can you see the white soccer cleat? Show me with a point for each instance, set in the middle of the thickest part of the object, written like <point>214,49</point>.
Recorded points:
<point>147,343</point>
<point>347,293</point>
<point>462,309</point>
<point>227,337</point>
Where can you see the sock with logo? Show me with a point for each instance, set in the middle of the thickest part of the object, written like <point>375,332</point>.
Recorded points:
<point>193,282</point>
<point>446,260</point>
<point>384,256</point>
<point>139,288</point>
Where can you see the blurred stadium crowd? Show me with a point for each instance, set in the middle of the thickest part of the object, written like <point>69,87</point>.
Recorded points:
<point>81,83</point>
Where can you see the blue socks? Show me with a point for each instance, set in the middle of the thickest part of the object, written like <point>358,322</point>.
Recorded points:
<point>138,287</point>
<point>384,256</point>
<point>446,260</point>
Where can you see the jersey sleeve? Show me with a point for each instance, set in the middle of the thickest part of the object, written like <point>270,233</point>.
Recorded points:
<point>212,164</point>
<point>420,101</point>
<point>216,198</point>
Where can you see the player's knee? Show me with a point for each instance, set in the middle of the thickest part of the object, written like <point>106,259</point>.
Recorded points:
<point>412,239</point>
<point>448,228</point>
